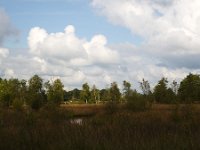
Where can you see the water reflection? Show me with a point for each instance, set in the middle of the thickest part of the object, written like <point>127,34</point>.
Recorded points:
<point>78,121</point>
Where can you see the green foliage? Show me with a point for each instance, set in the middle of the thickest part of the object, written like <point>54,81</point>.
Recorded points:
<point>171,96</point>
<point>95,94</point>
<point>114,92</point>
<point>85,93</point>
<point>189,89</point>
<point>137,102</point>
<point>147,96</point>
<point>55,92</point>
<point>35,84</point>
<point>104,95</point>
<point>36,98</point>
<point>162,93</point>
<point>126,89</point>
<point>5,99</point>
<point>9,90</point>
<point>18,104</point>
<point>36,103</point>
<point>72,95</point>
<point>34,95</point>
<point>160,90</point>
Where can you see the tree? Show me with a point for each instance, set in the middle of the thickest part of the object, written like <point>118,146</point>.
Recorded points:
<point>23,91</point>
<point>105,95</point>
<point>68,95</point>
<point>5,97</point>
<point>147,94</point>
<point>163,94</point>
<point>174,87</point>
<point>171,96</point>
<point>145,87</point>
<point>126,90</point>
<point>95,94</point>
<point>9,91</point>
<point>35,84</point>
<point>160,90</point>
<point>115,94</point>
<point>76,94</point>
<point>189,89</point>
<point>35,92</point>
<point>19,93</point>
<point>55,91</point>
<point>85,93</point>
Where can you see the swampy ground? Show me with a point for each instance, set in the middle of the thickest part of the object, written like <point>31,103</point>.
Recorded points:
<point>101,127</point>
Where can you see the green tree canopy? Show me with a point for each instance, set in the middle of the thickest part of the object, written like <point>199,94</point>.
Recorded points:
<point>95,94</point>
<point>162,93</point>
<point>105,94</point>
<point>55,91</point>
<point>126,89</point>
<point>189,89</point>
<point>115,94</point>
<point>35,84</point>
<point>5,96</point>
<point>35,92</point>
<point>85,93</point>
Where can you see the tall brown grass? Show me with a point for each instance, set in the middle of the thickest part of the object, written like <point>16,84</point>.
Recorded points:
<point>52,129</point>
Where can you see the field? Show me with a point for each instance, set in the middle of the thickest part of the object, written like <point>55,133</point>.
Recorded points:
<point>100,127</point>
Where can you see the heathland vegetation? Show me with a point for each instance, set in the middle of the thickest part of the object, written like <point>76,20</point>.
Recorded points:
<point>36,115</point>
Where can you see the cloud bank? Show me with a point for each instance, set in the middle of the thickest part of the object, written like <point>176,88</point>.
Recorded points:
<point>170,46</point>
<point>63,54</point>
<point>77,60</point>
<point>169,28</point>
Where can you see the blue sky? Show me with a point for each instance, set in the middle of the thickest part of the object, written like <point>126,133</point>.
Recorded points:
<point>55,15</point>
<point>99,41</point>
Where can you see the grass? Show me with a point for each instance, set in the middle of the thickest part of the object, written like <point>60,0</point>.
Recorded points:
<point>162,128</point>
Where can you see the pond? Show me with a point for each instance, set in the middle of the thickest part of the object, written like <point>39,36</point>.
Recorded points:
<point>77,121</point>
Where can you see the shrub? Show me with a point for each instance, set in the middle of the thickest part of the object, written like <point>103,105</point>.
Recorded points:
<point>137,102</point>
<point>18,104</point>
<point>5,100</point>
<point>36,104</point>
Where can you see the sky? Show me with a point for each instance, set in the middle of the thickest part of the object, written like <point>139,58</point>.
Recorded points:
<point>99,41</point>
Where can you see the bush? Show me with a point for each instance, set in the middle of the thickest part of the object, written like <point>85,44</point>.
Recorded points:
<point>36,101</point>
<point>36,104</point>
<point>137,102</point>
<point>5,100</point>
<point>18,104</point>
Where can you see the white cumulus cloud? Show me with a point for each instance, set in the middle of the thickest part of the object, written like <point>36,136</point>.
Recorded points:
<point>68,48</point>
<point>99,53</point>
<point>169,28</point>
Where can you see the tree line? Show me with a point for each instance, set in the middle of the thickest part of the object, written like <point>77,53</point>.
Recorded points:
<point>187,91</point>
<point>36,93</point>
